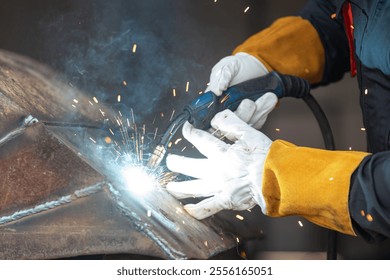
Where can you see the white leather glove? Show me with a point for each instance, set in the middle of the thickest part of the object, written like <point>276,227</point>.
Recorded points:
<point>234,69</point>
<point>238,68</point>
<point>230,175</point>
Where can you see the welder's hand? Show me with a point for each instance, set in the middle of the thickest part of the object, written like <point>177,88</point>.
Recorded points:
<point>231,174</point>
<point>234,69</point>
<point>255,113</point>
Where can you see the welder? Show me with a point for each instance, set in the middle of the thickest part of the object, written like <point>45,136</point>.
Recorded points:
<point>345,191</point>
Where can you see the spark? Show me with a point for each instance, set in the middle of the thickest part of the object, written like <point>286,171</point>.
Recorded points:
<point>183,149</point>
<point>169,144</point>
<point>90,102</point>
<point>174,92</point>
<point>200,92</point>
<point>155,134</point>
<point>178,140</point>
<point>300,223</point>
<point>75,101</point>
<point>112,132</point>
<point>124,83</point>
<point>210,104</point>
<point>95,99</point>
<point>277,129</point>
<point>173,112</point>
<point>149,213</point>
<point>120,113</point>
<point>206,243</point>
<point>247,8</point>
<point>369,218</point>
<point>226,97</point>
<point>132,115</point>
<point>362,129</point>
<point>119,98</point>
<point>162,114</point>
<point>103,114</point>
<point>238,240</point>
<point>241,218</point>
<point>74,106</point>
<point>187,86</point>
<point>90,138</point>
<point>134,48</point>
<point>366,91</point>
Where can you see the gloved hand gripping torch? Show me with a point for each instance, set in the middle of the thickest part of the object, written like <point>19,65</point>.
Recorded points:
<point>202,109</point>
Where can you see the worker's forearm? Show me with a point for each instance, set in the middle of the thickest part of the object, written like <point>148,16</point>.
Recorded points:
<point>291,46</point>
<point>309,182</point>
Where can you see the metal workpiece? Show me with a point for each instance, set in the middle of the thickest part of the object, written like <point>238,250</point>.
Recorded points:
<point>64,192</point>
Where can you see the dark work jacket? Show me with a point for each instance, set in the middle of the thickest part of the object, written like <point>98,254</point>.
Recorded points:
<point>370,184</point>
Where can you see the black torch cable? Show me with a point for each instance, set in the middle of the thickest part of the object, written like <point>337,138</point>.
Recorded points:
<point>327,135</point>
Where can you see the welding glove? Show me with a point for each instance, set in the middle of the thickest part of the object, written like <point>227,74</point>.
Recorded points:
<point>230,177</point>
<point>236,69</point>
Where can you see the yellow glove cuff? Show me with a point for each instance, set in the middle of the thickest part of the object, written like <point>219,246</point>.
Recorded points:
<point>291,45</point>
<point>311,183</point>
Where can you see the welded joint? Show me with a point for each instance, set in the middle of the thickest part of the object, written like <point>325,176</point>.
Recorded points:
<point>27,122</point>
<point>84,192</point>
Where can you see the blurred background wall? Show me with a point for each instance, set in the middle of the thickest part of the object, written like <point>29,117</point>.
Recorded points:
<point>146,50</point>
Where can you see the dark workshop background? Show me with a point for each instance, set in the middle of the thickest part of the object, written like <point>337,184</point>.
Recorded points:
<point>90,44</point>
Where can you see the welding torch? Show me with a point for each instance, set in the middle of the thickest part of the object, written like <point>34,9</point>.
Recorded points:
<point>202,109</point>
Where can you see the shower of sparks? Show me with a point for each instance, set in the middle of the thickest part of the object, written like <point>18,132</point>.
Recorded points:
<point>247,9</point>
<point>134,48</point>
<point>131,159</point>
<point>95,100</point>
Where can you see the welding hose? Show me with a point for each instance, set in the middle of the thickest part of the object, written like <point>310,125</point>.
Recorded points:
<point>327,135</point>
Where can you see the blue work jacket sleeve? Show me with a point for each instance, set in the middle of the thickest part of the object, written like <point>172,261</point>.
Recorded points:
<point>369,198</point>
<point>324,17</point>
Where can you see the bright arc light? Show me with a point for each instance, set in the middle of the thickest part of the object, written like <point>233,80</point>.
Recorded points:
<point>138,180</point>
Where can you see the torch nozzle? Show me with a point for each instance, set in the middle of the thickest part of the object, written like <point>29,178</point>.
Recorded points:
<point>157,156</point>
